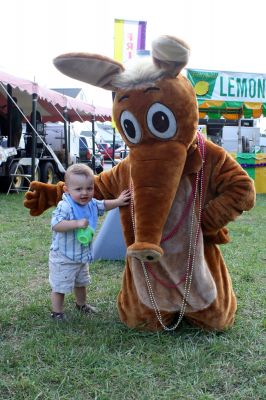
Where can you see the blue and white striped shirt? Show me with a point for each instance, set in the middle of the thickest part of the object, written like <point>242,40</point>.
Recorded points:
<point>66,242</point>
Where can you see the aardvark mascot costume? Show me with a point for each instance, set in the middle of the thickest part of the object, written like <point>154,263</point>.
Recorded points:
<point>185,190</point>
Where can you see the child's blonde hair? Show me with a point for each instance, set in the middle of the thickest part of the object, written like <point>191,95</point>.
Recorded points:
<point>78,169</point>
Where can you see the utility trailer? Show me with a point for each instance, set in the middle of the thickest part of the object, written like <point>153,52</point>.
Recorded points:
<point>48,168</point>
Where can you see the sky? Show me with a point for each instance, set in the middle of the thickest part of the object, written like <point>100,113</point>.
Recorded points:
<point>225,36</point>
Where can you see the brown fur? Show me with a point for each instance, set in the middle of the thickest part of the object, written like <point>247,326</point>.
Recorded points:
<point>225,181</point>
<point>229,191</point>
<point>161,170</point>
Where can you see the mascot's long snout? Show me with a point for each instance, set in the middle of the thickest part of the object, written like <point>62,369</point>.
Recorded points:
<point>156,171</point>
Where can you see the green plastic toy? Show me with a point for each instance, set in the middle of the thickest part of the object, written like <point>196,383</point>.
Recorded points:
<point>85,235</point>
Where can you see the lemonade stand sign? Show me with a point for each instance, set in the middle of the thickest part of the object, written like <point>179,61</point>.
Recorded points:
<point>229,94</point>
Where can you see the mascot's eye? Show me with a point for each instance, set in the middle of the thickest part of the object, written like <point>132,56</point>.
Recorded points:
<point>161,121</point>
<point>130,127</point>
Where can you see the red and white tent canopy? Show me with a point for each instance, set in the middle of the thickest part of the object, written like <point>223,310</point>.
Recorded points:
<point>50,103</point>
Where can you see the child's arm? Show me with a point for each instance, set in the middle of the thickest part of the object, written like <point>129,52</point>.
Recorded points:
<point>65,225</point>
<point>122,200</point>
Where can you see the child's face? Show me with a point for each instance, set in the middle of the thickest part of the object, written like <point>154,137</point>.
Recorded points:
<point>80,188</point>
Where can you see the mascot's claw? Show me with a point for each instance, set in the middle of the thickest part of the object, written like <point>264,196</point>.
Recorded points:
<point>41,196</point>
<point>145,251</point>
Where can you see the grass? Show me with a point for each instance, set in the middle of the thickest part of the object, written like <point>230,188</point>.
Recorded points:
<point>100,358</point>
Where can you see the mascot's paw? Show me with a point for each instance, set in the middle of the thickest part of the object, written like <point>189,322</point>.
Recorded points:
<point>145,251</point>
<point>220,237</point>
<point>31,202</point>
<point>41,196</point>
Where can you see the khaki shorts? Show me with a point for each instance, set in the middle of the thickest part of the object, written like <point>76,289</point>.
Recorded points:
<point>65,274</point>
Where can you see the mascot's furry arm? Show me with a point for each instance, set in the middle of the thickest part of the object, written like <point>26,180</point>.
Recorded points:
<point>42,196</point>
<point>230,192</point>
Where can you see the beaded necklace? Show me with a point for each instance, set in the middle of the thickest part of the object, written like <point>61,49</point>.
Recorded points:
<point>193,240</point>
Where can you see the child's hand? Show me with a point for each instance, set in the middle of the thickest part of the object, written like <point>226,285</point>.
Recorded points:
<point>82,223</point>
<point>124,198</point>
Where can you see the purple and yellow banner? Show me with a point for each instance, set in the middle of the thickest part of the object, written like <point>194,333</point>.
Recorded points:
<point>129,38</point>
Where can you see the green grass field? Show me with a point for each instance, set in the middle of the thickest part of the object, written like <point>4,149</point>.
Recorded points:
<point>100,358</point>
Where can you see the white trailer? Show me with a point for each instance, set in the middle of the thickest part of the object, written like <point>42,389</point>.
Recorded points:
<point>250,138</point>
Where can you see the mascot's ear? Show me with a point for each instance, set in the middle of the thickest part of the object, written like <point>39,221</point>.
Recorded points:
<point>170,53</point>
<point>94,69</point>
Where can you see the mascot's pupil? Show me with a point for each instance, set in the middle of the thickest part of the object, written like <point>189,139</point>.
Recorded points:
<point>160,121</point>
<point>130,129</point>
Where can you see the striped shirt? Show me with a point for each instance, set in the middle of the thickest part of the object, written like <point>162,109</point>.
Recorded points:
<point>66,242</point>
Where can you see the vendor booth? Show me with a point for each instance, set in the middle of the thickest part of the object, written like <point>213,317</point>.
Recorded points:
<point>234,96</point>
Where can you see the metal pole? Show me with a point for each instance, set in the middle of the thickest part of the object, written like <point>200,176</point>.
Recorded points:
<point>113,154</point>
<point>113,123</point>
<point>239,147</point>
<point>125,151</point>
<point>33,134</point>
<point>10,141</point>
<point>93,142</point>
<point>66,136</point>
